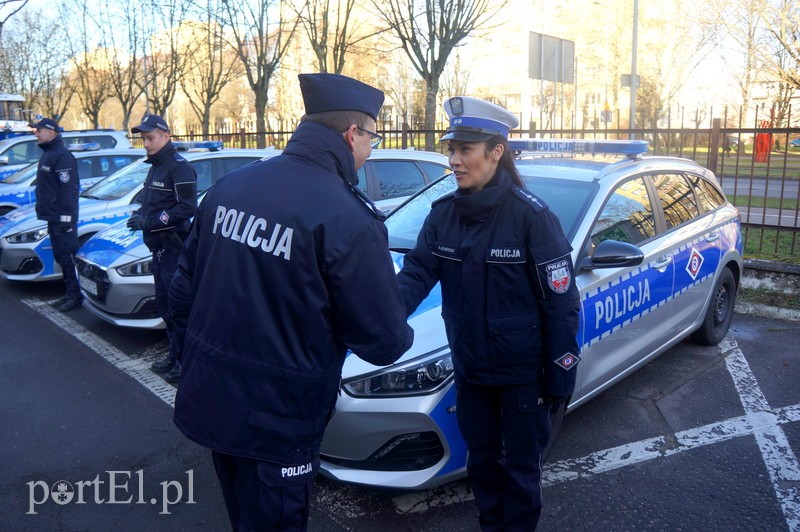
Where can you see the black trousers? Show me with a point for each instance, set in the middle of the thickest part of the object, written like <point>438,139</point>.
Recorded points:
<point>165,262</point>
<point>256,504</point>
<point>65,245</point>
<point>506,429</point>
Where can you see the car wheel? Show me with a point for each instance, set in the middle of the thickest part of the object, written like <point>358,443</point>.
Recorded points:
<point>556,417</point>
<point>720,311</point>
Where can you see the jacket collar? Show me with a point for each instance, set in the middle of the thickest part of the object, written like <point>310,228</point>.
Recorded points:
<point>55,141</point>
<point>323,147</point>
<point>162,155</point>
<point>474,207</point>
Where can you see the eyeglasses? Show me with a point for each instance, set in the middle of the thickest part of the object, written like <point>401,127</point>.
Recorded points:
<point>375,139</point>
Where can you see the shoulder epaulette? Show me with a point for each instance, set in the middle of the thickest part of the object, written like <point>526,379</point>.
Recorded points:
<point>532,200</point>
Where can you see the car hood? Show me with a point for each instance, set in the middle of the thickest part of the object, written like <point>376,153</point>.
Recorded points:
<point>114,247</point>
<point>24,218</point>
<point>429,331</point>
<point>10,190</point>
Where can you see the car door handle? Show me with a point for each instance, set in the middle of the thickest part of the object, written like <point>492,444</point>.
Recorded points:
<point>711,237</point>
<point>661,263</point>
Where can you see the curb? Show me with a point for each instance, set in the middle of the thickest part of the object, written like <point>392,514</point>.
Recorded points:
<point>766,311</point>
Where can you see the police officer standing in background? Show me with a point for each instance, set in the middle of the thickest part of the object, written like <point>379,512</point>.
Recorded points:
<point>57,190</point>
<point>510,308</point>
<point>169,201</point>
<point>286,268</point>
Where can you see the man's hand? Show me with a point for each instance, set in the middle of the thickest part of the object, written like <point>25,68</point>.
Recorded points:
<point>135,222</point>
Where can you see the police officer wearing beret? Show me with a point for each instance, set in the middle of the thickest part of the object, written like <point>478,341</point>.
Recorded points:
<point>57,190</point>
<point>169,201</point>
<point>510,307</point>
<point>285,269</point>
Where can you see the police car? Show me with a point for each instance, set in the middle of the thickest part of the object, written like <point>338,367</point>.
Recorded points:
<point>21,150</point>
<point>389,177</point>
<point>118,264</point>
<point>25,250</point>
<point>658,255</point>
<point>19,188</point>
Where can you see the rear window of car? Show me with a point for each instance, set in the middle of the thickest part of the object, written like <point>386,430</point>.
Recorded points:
<point>397,178</point>
<point>707,194</point>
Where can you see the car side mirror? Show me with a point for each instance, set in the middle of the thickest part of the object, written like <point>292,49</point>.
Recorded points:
<point>613,254</point>
<point>3,159</point>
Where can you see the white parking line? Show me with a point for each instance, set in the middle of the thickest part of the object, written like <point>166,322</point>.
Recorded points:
<point>139,369</point>
<point>759,420</point>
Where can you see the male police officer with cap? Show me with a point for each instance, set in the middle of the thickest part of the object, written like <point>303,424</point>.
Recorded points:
<point>168,202</point>
<point>286,267</point>
<point>57,191</point>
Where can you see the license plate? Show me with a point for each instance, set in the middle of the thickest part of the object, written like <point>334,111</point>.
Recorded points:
<point>88,285</point>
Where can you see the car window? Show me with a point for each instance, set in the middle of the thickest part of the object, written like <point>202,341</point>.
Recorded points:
<point>85,168</point>
<point>119,183</point>
<point>23,152</point>
<point>677,199</point>
<point>362,179</point>
<point>708,196</point>
<point>397,178</point>
<point>204,173</point>
<point>105,141</point>
<point>433,170</point>
<point>627,215</point>
<point>229,164</point>
<point>22,175</point>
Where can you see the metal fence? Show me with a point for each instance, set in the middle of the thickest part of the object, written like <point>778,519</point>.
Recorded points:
<point>758,167</point>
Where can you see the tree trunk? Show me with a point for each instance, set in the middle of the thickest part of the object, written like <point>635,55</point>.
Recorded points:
<point>431,90</point>
<point>261,118</point>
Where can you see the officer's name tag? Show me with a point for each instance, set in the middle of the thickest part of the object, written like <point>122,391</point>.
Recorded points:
<point>447,251</point>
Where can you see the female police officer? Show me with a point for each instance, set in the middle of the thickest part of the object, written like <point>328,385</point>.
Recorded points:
<point>510,307</point>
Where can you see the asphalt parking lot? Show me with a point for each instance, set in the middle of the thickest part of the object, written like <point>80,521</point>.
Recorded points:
<point>701,438</point>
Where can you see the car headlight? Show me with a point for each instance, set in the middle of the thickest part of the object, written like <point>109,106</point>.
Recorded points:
<point>420,376</point>
<point>28,236</point>
<point>140,267</point>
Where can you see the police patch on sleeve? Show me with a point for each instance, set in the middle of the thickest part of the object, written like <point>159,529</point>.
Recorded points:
<point>559,276</point>
<point>63,176</point>
<point>567,361</point>
<point>164,217</point>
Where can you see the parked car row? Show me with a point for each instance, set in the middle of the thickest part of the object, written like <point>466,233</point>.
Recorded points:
<point>657,250</point>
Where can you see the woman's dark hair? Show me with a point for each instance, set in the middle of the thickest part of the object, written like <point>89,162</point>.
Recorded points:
<point>507,160</point>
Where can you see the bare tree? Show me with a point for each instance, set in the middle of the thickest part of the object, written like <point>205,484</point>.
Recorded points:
<point>162,66</point>
<point>332,31</point>
<point>210,64</point>
<point>9,8</point>
<point>428,31</point>
<point>123,53</point>
<point>261,35</point>
<point>91,76</point>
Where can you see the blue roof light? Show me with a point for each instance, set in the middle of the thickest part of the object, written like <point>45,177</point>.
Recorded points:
<point>620,147</point>
<point>83,146</point>
<point>210,145</point>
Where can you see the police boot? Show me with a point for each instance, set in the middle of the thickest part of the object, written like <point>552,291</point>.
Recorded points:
<point>174,374</point>
<point>163,365</point>
<point>71,303</point>
<point>60,301</point>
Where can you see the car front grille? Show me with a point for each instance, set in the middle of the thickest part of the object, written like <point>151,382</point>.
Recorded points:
<point>96,274</point>
<point>407,452</point>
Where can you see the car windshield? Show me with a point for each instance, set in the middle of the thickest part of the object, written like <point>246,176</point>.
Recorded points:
<point>23,175</point>
<point>568,199</point>
<point>119,183</point>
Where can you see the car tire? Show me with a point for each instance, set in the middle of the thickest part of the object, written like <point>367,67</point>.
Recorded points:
<point>720,311</point>
<point>556,417</point>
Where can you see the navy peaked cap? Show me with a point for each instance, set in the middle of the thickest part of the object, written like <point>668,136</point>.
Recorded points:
<point>46,123</point>
<point>333,92</point>
<point>151,122</point>
<point>475,120</point>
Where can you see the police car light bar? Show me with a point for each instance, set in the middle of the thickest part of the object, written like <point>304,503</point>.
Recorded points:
<point>620,147</point>
<point>84,146</point>
<point>210,145</point>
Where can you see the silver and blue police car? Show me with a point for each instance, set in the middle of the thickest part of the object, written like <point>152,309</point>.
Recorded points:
<point>658,255</point>
<point>94,164</point>
<point>114,267</point>
<point>26,253</point>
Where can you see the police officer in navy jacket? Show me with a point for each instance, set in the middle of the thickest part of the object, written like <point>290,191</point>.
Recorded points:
<point>169,200</point>
<point>510,308</point>
<point>57,190</point>
<point>285,269</point>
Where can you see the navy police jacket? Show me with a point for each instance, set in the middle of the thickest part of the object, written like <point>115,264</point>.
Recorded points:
<point>169,199</point>
<point>285,268</point>
<point>509,300</point>
<point>57,185</point>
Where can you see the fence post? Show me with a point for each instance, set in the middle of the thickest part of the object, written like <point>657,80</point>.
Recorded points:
<point>532,129</point>
<point>713,145</point>
<point>404,136</point>
<point>242,139</point>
